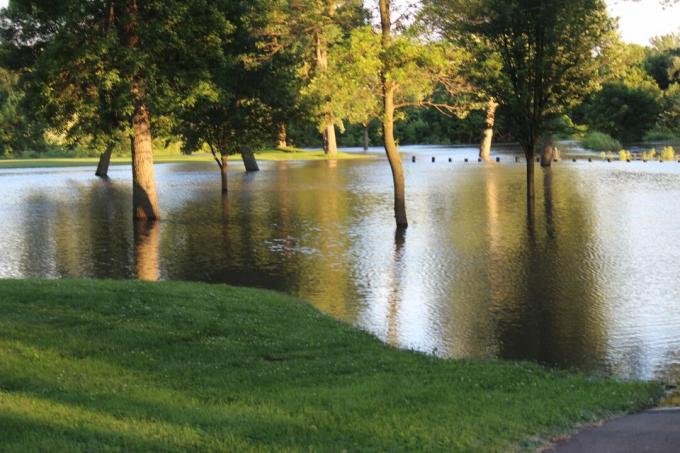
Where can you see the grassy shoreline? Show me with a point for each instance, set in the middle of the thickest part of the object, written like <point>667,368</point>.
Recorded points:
<point>290,154</point>
<point>122,365</point>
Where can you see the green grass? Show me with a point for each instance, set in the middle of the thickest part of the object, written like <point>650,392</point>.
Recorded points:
<point>130,366</point>
<point>264,155</point>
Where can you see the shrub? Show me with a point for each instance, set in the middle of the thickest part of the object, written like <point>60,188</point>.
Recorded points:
<point>625,155</point>
<point>660,135</point>
<point>668,153</point>
<point>599,141</point>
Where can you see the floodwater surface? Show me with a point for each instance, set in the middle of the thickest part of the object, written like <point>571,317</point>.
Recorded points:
<point>596,286</point>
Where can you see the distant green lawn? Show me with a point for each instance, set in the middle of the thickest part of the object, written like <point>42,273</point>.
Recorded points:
<point>264,155</point>
<point>130,366</point>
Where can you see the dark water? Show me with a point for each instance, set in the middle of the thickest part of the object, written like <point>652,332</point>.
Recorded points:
<point>596,288</point>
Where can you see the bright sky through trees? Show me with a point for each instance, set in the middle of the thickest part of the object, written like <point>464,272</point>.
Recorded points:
<point>639,20</point>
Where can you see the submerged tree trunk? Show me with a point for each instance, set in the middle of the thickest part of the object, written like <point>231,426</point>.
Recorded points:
<point>331,143</point>
<point>144,198</point>
<point>224,165</point>
<point>487,139</point>
<point>366,141</point>
<point>282,136</point>
<point>147,243</point>
<point>531,185</point>
<point>547,152</point>
<point>104,162</point>
<point>249,160</point>
<point>388,123</point>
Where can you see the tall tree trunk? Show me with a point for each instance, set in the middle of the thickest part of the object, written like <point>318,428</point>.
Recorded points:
<point>249,160</point>
<point>388,123</point>
<point>487,139</point>
<point>330,143</point>
<point>366,141</point>
<point>547,151</point>
<point>282,138</point>
<point>223,172</point>
<point>105,161</point>
<point>144,198</point>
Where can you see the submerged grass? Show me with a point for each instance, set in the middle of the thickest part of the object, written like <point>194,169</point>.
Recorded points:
<point>121,366</point>
<point>264,155</point>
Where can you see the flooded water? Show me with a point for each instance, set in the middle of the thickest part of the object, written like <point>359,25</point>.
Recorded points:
<point>596,287</point>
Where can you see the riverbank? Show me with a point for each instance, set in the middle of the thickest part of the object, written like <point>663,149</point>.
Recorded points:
<point>289,154</point>
<point>121,365</point>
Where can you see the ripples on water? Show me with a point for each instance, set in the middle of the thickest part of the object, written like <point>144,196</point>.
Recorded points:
<point>595,288</point>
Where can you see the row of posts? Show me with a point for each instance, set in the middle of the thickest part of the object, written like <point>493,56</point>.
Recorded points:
<point>538,159</point>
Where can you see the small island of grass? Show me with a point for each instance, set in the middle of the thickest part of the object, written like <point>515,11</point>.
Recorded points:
<point>132,366</point>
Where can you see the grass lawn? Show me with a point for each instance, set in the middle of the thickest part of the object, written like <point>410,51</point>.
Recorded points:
<point>264,155</point>
<point>131,366</point>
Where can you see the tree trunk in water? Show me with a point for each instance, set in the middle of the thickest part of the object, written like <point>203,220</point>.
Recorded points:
<point>366,143</point>
<point>531,189</point>
<point>104,162</point>
<point>282,139</point>
<point>223,172</point>
<point>485,147</point>
<point>388,124</point>
<point>144,198</point>
<point>547,153</point>
<point>331,143</point>
<point>249,161</point>
<point>147,242</point>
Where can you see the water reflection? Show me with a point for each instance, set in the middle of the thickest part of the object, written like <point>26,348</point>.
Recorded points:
<point>147,252</point>
<point>592,286</point>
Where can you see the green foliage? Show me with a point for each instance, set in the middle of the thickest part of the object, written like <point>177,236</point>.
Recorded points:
<point>546,52</point>
<point>660,135</point>
<point>670,110</point>
<point>663,60</point>
<point>18,132</point>
<point>131,366</point>
<point>624,111</point>
<point>87,65</point>
<point>600,141</point>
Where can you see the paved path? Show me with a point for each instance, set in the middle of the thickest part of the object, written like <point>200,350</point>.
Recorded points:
<point>655,431</point>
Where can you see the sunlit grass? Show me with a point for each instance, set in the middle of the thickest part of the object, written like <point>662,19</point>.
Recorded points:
<point>264,155</point>
<point>130,366</point>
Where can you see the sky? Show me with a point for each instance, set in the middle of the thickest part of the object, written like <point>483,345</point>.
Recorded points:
<point>638,20</point>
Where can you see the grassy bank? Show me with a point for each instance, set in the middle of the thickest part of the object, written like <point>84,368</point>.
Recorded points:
<point>264,155</point>
<point>113,366</point>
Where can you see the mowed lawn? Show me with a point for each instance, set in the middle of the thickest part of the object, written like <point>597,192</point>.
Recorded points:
<point>132,366</point>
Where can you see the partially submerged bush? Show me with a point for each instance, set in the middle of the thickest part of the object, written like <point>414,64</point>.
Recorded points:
<point>600,142</point>
<point>625,155</point>
<point>668,153</point>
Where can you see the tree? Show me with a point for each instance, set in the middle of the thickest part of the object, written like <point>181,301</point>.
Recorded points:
<point>104,66</point>
<point>624,112</point>
<point>225,109</point>
<point>409,75</point>
<point>663,60</point>
<point>310,28</point>
<point>547,52</point>
<point>18,132</point>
